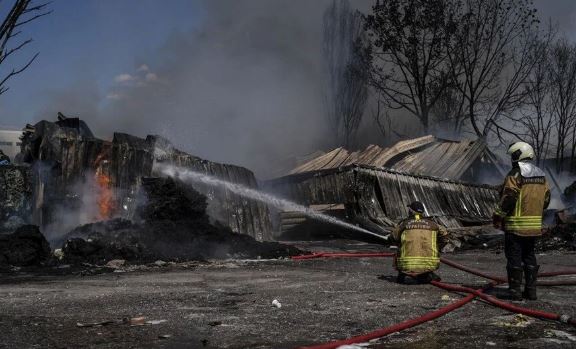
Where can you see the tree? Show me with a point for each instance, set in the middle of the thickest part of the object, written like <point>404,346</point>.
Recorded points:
<point>536,116</point>
<point>492,60</point>
<point>21,13</point>
<point>449,109</point>
<point>562,70</point>
<point>409,52</point>
<point>384,121</point>
<point>346,89</point>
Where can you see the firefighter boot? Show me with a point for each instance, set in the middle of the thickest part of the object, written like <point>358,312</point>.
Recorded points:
<point>514,283</point>
<point>531,274</point>
<point>401,278</point>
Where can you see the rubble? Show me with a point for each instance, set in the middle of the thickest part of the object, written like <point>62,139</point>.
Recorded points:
<point>25,247</point>
<point>174,226</point>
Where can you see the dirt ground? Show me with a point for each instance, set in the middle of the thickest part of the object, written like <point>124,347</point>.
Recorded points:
<point>228,304</point>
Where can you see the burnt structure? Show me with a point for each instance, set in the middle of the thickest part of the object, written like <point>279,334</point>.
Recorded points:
<point>428,156</point>
<point>376,197</point>
<point>75,171</point>
<point>372,187</point>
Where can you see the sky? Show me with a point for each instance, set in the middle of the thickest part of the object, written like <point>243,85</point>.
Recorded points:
<point>222,79</point>
<point>90,40</point>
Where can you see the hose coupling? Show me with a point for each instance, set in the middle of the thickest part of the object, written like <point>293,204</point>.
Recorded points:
<point>564,318</point>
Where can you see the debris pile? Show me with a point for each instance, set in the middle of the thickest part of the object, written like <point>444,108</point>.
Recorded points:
<point>173,225</point>
<point>561,236</point>
<point>25,247</point>
<point>482,237</point>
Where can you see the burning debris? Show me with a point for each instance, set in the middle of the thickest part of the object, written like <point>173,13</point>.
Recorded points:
<point>116,206</point>
<point>79,176</point>
<point>173,226</point>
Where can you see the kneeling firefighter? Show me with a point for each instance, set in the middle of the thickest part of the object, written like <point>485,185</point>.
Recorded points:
<point>418,255</point>
<point>523,198</point>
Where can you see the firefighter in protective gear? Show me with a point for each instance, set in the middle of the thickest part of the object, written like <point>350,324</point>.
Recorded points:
<point>523,198</point>
<point>418,255</point>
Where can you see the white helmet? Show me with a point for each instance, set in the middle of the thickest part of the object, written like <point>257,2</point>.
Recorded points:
<point>521,151</point>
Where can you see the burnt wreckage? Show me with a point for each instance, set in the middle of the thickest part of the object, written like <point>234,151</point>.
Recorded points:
<point>373,187</point>
<point>65,156</point>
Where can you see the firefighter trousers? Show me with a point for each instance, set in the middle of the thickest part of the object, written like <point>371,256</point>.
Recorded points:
<point>519,250</point>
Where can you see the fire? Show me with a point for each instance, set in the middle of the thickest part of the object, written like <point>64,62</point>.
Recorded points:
<point>106,204</point>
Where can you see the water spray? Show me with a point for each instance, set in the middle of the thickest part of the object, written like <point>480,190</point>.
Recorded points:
<point>190,176</point>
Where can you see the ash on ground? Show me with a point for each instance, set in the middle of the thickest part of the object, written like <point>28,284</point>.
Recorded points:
<point>174,226</point>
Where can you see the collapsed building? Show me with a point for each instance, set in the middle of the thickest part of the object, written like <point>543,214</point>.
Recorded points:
<point>373,187</point>
<point>73,171</point>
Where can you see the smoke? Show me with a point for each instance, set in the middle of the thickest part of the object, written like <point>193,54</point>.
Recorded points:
<point>244,87</point>
<point>81,207</point>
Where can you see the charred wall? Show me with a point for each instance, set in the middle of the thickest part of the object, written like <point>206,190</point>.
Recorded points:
<point>67,158</point>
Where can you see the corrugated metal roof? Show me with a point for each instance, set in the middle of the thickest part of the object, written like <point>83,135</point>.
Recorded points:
<point>425,155</point>
<point>382,195</point>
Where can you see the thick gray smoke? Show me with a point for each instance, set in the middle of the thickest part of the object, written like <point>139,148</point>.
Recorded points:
<point>243,88</point>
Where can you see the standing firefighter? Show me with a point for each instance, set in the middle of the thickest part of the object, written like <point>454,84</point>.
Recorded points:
<point>418,255</point>
<point>524,196</point>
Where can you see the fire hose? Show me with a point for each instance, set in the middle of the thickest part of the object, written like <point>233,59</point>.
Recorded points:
<point>472,293</point>
<point>505,305</point>
<point>395,328</point>
<point>504,280</point>
<point>447,262</point>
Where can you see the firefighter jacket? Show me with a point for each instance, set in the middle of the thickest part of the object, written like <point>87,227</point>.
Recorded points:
<point>523,198</point>
<point>419,247</point>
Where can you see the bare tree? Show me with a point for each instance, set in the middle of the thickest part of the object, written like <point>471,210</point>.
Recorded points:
<point>346,90</point>
<point>21,13</point>
<point>448,111</point>
<point>384,121</point>
<point>562,70</point>
<point>409,52</point>
<point>492,60</point>
<point>536,115</point>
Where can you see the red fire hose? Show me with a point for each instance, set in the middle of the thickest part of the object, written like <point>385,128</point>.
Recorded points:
<point>395,328</point>
<point>504,280</point>
<point>508,306</point>
<point>447,262</point>
<point>472,293</point>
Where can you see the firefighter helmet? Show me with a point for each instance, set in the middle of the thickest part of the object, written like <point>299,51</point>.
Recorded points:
<point>417,206</point>
<point>521,151</point>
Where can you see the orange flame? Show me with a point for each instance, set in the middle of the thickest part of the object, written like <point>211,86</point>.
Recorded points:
<point>106,204</point>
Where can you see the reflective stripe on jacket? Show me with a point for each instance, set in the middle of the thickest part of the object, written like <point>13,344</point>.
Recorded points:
<point>419,248</point>
<point>523,198</point>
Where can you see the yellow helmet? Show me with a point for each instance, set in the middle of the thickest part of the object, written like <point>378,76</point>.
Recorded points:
<point>521,151</point>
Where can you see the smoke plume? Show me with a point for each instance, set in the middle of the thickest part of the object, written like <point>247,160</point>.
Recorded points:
<point>243,88</point>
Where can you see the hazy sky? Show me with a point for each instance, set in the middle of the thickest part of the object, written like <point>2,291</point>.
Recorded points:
<point>223,79</point>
